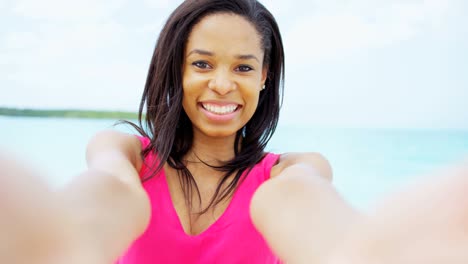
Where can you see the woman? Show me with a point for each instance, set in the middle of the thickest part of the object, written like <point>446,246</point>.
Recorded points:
<point>212,100</point>
<point>197,185</point>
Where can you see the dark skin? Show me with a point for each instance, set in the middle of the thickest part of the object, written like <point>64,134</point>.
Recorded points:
<point>302,217</point>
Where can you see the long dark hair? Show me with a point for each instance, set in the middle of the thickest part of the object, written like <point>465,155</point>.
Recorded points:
<point>167,125</point>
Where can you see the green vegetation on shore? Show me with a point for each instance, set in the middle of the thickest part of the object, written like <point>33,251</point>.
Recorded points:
<point>4,111</point>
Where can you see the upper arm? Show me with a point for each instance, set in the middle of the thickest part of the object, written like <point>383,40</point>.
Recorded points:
<point>315,161</point>
<point>115,153</point>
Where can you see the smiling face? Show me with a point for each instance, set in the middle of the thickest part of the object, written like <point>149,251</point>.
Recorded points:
<point>223,74</point>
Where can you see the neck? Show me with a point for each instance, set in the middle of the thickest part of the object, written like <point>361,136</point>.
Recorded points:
<point>212,150</point>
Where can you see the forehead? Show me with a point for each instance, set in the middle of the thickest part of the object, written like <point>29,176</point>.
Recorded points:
<point>224,33</point>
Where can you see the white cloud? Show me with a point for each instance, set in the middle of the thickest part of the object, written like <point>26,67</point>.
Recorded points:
<point>55,42</point>
<point>60,66</point>
<point>59,10</point>
<point>278,7</point>
<point>19,40</point>
<point>336,29</point>
<point>97,86</point>
<point>153,27</point>
<point>160,4</point>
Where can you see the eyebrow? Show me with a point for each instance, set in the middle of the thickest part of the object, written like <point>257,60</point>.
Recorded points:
<point>247,57</point>
<point>209,53</point>
<point>200,52</point>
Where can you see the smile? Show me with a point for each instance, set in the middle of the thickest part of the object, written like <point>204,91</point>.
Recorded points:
<point>220,109</point>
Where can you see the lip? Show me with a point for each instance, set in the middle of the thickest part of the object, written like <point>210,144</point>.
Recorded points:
<point>219,103</point>
<point>219,117</point>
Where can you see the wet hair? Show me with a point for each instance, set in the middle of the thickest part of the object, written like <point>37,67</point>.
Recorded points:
<point>167,125</point>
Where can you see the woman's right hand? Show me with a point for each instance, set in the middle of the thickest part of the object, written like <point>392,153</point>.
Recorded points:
<point>35,225</point>
<point>93,219</point>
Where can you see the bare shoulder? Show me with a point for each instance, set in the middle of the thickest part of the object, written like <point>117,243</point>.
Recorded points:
<point>113,143</point>
<point>313,159</point>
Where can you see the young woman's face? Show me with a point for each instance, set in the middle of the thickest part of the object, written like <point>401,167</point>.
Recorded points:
<point>223,74</point>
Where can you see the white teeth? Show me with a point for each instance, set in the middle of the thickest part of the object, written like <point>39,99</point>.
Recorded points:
<point>220,110</point>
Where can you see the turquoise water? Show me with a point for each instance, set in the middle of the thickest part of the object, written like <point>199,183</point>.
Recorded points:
<point>367,163</point>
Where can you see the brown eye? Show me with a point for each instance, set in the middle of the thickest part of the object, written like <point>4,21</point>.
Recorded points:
<point>201,64</point>
<point>244,68</point>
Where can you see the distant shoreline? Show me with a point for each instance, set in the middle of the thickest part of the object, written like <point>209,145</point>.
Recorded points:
<point>67,113</point>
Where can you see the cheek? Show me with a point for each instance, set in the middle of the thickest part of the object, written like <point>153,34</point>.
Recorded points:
<point>192,84</point>
<point>187,98</point>
<point>188,92</point>
<point>187,102</point>
<point>253,99</point>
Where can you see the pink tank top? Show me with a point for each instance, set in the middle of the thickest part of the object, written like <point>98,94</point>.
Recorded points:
<point>231,239</point>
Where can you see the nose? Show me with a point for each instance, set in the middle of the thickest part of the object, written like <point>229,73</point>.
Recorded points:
<point>222,83</point>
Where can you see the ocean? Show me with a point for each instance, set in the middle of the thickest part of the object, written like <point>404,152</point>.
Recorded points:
<point>367,163</point>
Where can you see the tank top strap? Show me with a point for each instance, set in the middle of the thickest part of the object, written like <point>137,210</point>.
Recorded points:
<point>144,141</point>
<point>270,160</point>
<point>149,161</point>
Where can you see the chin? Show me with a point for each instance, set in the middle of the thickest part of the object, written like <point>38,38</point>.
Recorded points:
<point>220,132</point>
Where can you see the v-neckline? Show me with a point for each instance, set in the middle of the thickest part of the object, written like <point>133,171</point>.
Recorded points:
<point>213,225</point>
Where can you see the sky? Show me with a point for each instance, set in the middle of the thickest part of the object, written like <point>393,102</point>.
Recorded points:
<point>354,63</point>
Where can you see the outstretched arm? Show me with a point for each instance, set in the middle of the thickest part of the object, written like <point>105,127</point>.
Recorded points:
<point>424,222</point>
<point>107,200</point>
<point>91,220</point>
<point>305,220</point>
<point>299,212</point>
